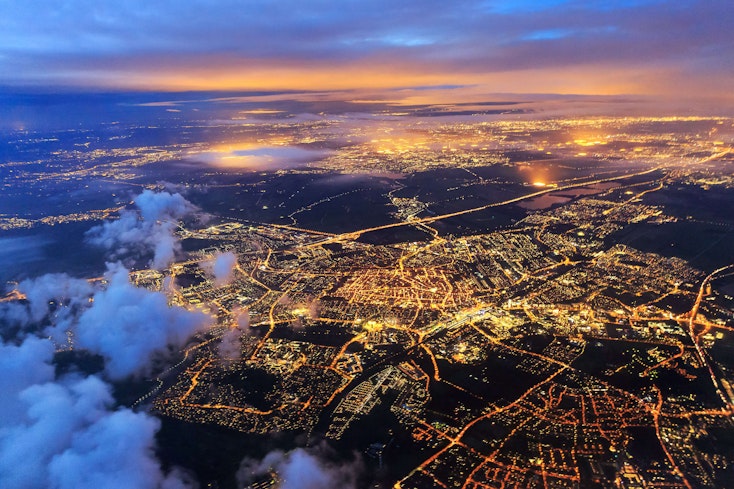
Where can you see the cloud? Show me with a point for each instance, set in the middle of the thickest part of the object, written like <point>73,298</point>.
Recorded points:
<point>150,229</point>
<point>114,452</point>
<point>65,433</point>
<point>130,326</point>
<point>326,45</point>
<point>22,366</point>
<point>56,294</point>
<point>302,469</point>
<point>258,157</point>
<point>52,300</point>
<point>155,206</point>
<point>314,309</point>
<point>221,267</point>
<point>230,346</point>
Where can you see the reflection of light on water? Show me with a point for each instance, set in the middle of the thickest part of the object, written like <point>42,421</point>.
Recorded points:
<point>543,202</point>
<point>544,185</point>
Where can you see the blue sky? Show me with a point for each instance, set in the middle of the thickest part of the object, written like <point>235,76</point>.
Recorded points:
<point>560,46</point>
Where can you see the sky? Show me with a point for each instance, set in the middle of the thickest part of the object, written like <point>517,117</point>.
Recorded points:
<point>674,48</point>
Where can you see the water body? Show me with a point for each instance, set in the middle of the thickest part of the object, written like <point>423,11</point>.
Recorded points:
<point>543,202</point>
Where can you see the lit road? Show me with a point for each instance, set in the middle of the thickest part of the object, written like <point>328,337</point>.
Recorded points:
<point>426,220</point>
<point>695,337</point>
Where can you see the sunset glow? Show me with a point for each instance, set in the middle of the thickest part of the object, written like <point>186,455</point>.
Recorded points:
<point>640,47</point>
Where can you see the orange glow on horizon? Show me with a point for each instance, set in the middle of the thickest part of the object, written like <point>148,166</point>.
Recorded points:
<point>412,83</point>
<point>377,76</point>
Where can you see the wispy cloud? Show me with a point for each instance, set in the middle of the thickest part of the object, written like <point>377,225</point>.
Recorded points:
<point>221,267</point>
<point>302,468</point>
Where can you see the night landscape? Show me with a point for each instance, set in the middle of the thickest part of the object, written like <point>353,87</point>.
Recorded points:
<point>475,244</point>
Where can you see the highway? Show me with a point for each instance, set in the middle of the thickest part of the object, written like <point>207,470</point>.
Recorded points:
<point>352,235</point>
<point>696,337</point>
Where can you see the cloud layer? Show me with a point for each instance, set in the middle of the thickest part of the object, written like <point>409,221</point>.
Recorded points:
<point>593,46</point>
<point>64,431</point>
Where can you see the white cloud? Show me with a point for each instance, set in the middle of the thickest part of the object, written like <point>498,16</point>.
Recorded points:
<point>302,469</point>
<point>230,346</point>
<point>65,433</point>
<point>150,229</point>
<point>130,326</point>
<point>221,267</point>
<point>68,294</point>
